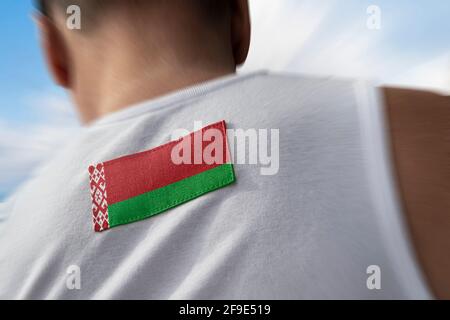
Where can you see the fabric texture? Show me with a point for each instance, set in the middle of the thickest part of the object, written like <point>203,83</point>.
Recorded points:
<point>142,185</point>
<point>308,232</point>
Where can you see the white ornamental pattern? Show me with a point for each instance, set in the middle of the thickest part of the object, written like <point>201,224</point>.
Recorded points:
<point>99,197</point>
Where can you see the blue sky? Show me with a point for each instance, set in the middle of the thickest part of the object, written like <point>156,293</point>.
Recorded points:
<point>35,116</point>
<point>23,70</point>
<point>326,37</point>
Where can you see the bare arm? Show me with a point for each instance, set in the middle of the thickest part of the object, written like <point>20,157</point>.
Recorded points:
<point>420,135</point>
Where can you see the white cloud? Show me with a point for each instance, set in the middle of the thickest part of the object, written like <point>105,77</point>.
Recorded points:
<point>322,38</point>
<point>26,145</point>
<point>51,107</point>
<point>433,75</point>
<point>347,54</point>
<point>280,29</point>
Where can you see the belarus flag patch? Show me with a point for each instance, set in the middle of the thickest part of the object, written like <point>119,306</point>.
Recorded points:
<point>142,185</point>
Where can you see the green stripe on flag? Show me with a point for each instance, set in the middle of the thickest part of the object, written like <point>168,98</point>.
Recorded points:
<point>172,195</point>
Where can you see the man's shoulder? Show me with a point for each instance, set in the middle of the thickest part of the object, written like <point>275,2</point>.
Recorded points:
<point>419,123</point>
<point>296,84</point>
<point>273,97</point>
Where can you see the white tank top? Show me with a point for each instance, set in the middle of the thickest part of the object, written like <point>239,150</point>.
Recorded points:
<point>326,225</point>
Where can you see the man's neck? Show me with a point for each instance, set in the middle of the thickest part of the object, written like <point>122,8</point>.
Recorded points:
<point>127,57</point>
<point>119,92</point>
<point>119,69</point>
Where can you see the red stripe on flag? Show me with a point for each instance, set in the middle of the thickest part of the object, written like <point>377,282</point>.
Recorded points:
<point>140,173</point>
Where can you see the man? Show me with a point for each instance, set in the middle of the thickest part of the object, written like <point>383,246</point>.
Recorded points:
<point>328,224</point>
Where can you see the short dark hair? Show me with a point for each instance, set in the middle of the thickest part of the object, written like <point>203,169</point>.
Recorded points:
<point>41,6</point>
<point>214,12</point>
<point>212,7</point>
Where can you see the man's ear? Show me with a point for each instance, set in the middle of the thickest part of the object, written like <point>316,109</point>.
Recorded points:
<point>240,30</point>
<point>55,50</point>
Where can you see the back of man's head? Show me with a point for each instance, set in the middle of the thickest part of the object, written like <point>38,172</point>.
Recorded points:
<point>120,41</point>
<point>211,11</point>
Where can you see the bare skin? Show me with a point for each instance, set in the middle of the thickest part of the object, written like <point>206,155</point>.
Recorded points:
<point>134,53</point>
<point>420,134</point>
